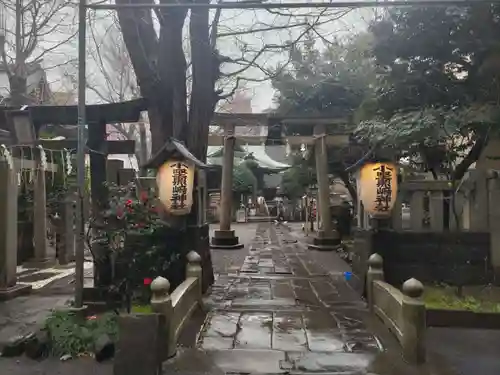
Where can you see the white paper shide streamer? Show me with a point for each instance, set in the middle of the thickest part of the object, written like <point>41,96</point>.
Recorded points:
<point>7,156</point>
<point>69,166</point>
<point>43,157</point>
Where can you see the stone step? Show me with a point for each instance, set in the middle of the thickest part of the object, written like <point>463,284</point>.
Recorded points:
<point>328,362</point>
<point>244,361</point>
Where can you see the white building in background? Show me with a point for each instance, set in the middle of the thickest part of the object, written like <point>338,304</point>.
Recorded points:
<point>272,156</point>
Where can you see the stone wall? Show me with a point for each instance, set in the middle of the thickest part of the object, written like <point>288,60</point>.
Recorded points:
<point>453,258</point>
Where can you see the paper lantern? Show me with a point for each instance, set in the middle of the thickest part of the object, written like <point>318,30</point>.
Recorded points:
<point>378,186</point>
<point>175,180</point>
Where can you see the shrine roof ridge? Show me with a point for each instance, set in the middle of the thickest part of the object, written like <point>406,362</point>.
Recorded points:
<point>168,150</point>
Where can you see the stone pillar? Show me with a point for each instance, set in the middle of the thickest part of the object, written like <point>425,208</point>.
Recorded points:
<point>225,238</point>
<point>413,322</point>
<point>67,244</point>
<point>479,210</point>
<point>494,221</point>
<point>328,237</point>
<point>41,258</point>
<point>161,303</point>
<point>8,233</point>
<point>375,273</point>
<point>193,269</point>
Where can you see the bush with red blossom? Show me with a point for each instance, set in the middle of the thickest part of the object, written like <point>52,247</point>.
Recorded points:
<point>136,238</point>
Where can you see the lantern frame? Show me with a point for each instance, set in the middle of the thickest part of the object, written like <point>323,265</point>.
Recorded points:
<point>174,150</point>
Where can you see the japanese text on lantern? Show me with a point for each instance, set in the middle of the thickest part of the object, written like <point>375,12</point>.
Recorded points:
<point>384,188</point>
<point>179,185</point>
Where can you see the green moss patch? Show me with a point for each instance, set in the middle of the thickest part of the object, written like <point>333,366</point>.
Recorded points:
<point>477,299</point>
<point>142,309</point>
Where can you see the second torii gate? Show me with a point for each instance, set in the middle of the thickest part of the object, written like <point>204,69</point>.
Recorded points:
<point>328,237</point>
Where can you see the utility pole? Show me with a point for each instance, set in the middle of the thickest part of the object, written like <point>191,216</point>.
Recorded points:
<point>80,160</point>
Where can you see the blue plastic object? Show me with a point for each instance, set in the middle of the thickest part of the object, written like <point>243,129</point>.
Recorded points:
<point>347,276</point>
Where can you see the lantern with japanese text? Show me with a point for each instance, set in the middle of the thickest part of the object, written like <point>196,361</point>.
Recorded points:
<point>176,169</point>
<point>377,188</point>
<point>175,181</point>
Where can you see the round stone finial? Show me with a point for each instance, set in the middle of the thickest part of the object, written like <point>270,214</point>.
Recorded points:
<point>193,257</point>
<point>413,288</point>
<point>492,174</point>
<point>160,285</point>
<point>375,261</point>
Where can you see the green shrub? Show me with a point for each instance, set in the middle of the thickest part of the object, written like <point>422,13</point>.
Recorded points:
<point>71,334</point>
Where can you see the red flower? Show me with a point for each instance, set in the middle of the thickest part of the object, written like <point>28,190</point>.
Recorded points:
<point>147,281</point>
<point>128,202</point>
<point>144,196</point>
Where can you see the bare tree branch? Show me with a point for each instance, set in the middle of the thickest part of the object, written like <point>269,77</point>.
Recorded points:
<point>34,30</point>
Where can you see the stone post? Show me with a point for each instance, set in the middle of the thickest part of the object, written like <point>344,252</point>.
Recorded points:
<point>40,259</point>
<point>193,269</point>
<point>161,303</point>
<point>479,210</point>
<point>328,237</point>
<point>67,246</point>
<point>8,233</point>
<point>224,238</point>
<point>375,272</point>
<point>494,221</point>
<point>413,321</point>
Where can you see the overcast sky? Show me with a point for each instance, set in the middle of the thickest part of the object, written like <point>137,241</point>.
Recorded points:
<point>335,23</point>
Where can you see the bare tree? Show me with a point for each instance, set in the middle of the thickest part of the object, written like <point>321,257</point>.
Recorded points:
<point>31,30</point>
<point>155,44</point>
<point>113,79</point>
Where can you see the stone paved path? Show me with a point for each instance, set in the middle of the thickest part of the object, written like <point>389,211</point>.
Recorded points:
<point>283,312</point>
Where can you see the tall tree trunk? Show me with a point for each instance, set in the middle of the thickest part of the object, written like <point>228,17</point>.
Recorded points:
<point>18,89</point>
<point>18,72</point>
<point>160,67</point>
<point>151,58</point>
<point>172,69</point>
<point>205,67</point>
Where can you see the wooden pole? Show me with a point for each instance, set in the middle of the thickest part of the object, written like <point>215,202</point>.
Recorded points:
<point>99,196</point>
<point>80,168</point>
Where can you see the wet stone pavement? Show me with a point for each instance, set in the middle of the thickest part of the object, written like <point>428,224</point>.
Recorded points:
<point>282,312</point>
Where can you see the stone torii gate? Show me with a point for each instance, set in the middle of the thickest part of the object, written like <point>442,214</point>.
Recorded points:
<point>328,237</point>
